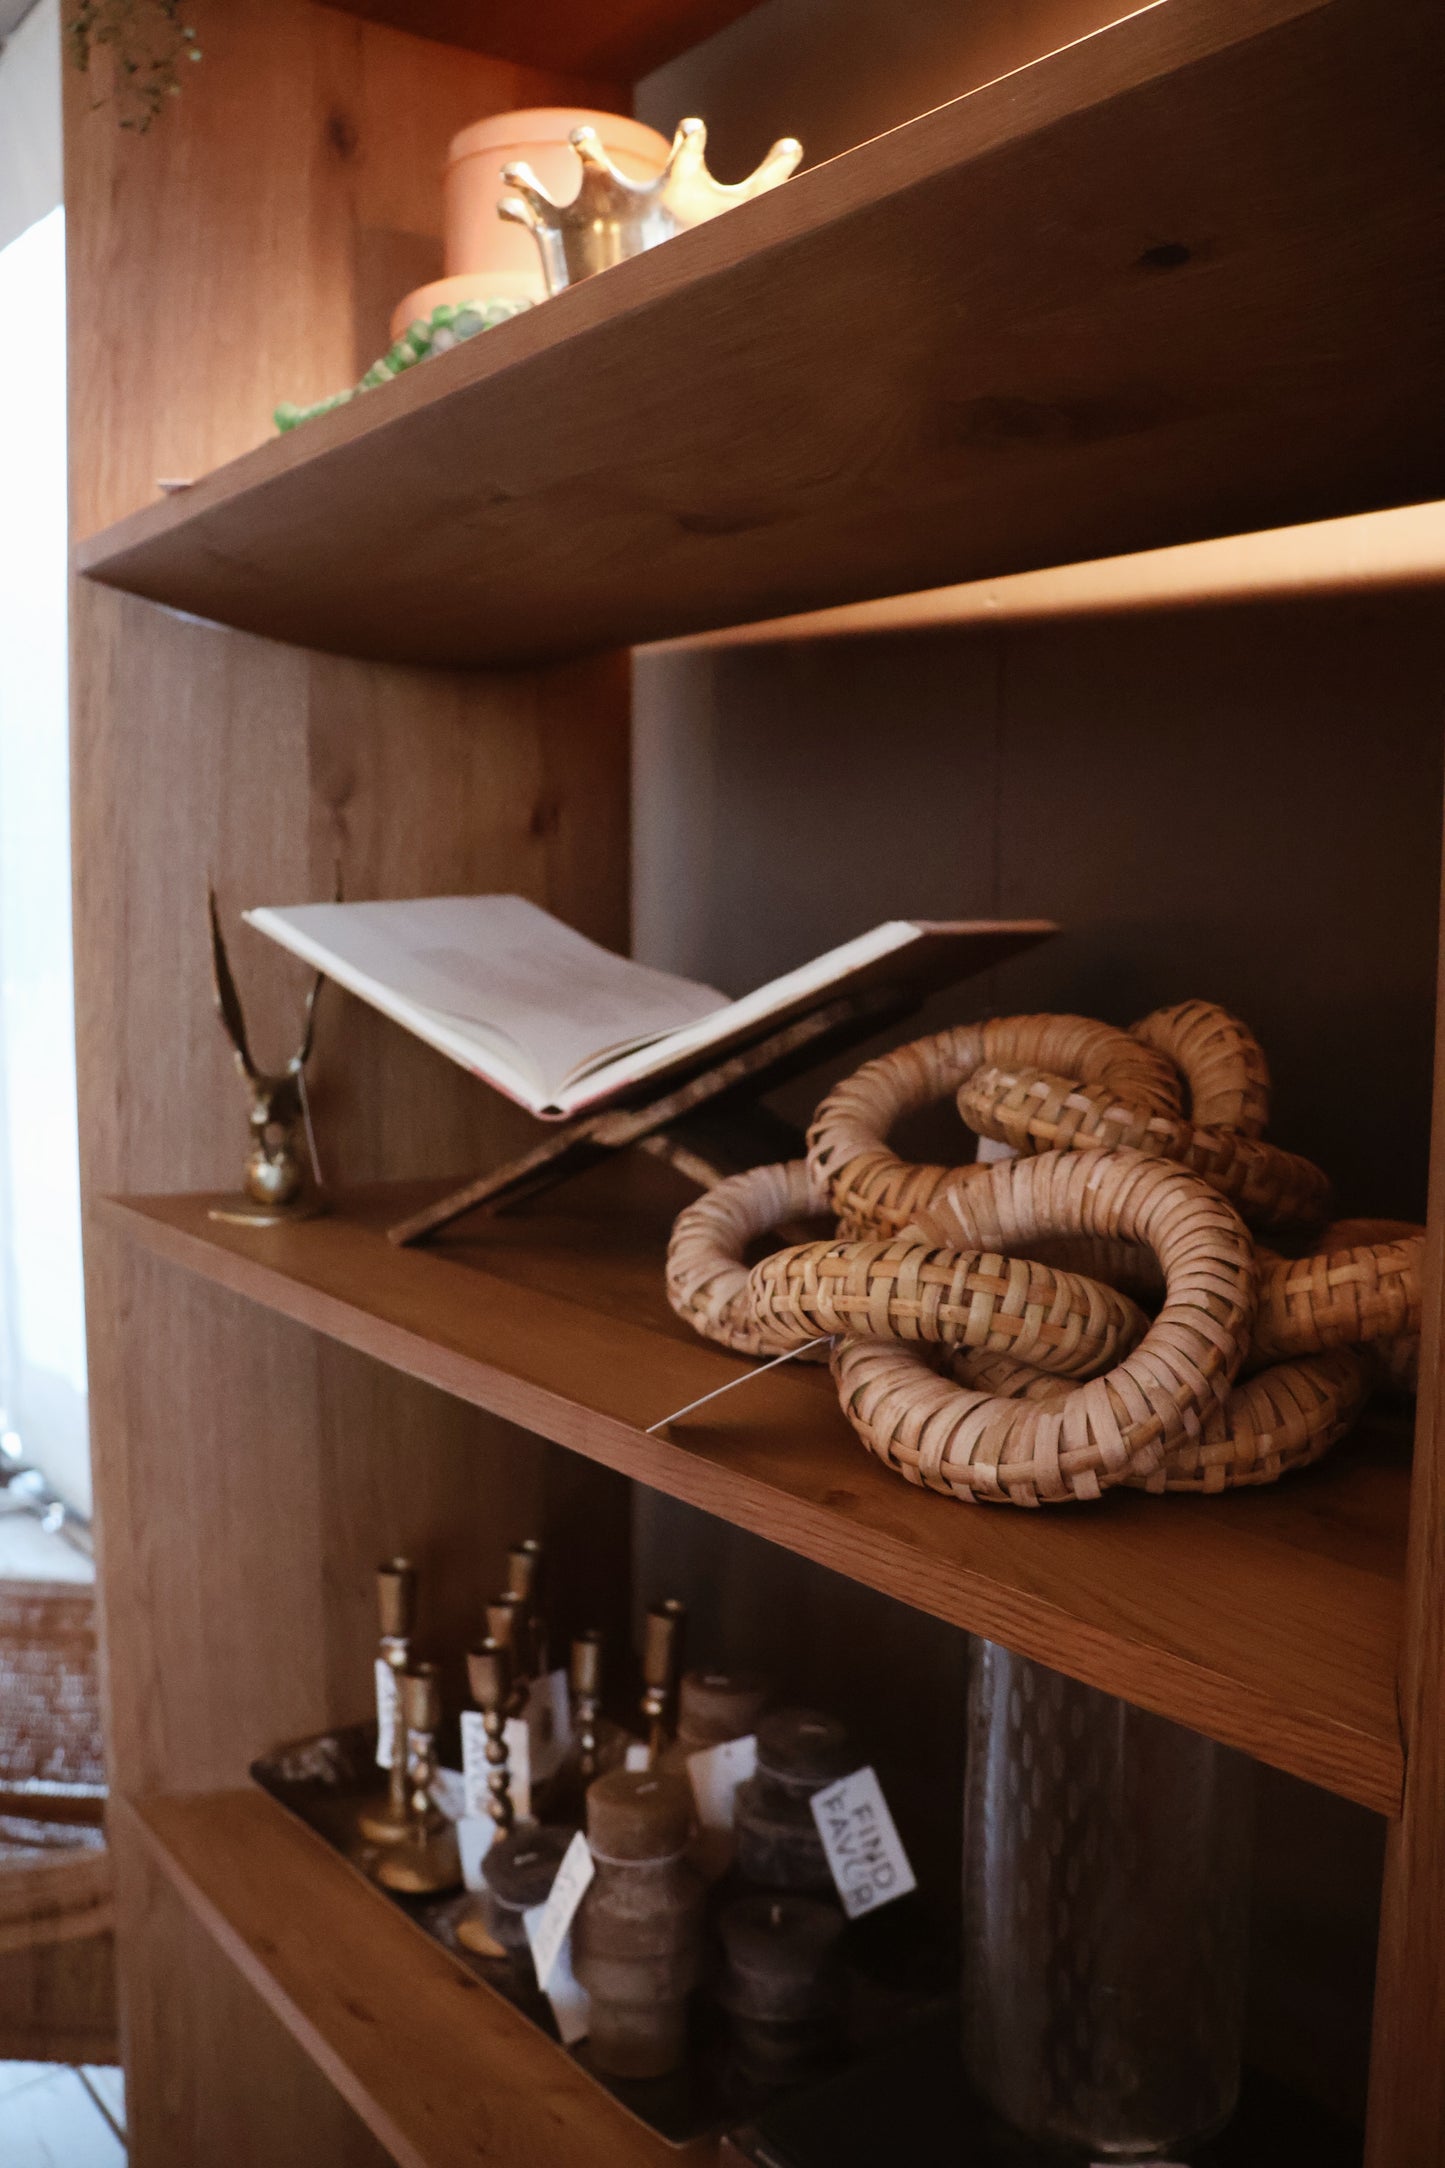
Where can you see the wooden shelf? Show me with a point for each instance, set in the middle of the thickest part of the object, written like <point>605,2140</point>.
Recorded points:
<point>1122,299</point>
<point>620,39</point>
<point>1269,1620</point>
<point>445,2073</point>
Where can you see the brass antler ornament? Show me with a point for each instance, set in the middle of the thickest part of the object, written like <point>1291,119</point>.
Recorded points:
<point>613,217</point>
<point>275,1173</point>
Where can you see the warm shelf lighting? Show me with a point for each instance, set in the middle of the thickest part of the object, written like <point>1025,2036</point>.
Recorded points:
<point>1404,547</point>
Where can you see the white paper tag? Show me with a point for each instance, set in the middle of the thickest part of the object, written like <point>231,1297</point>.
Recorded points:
<point>549,1725</point>
<point>555,1923</point>
<point>716,1772</point>
<point>639,1755</point>
<point>868,1862</point>
<point>385,1710</point>
<point>517,1739</point>
<point>475,1837</point>
<point>571,2004</point>
<point>477,1770</point>
<point>449,1793</point>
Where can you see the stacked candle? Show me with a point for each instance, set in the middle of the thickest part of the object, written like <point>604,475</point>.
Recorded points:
<point>637,1939</point>
<point>799,1753</point>
<point>780,1983</point>
<point>713,1708</point>
<point>518,1872</point>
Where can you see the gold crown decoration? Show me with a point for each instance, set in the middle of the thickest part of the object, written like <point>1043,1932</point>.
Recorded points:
<point>613,217</point>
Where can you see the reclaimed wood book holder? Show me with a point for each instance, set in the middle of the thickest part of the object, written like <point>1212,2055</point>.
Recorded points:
<point>708,1124</point>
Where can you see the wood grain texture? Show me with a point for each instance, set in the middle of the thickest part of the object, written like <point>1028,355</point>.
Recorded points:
<point>620,39</point>
<point>444,2072</point>
<point>247,1476</point>
<point>554,1318</point>
<point>918,363</point>
<point>1406,2126</point>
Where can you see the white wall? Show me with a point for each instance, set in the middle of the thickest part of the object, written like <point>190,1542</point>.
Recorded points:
<point>30,150</point>
<point>42,1348</point>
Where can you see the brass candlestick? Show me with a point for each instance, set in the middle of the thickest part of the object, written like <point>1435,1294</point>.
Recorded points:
<point>509,1624</point>
<point>524,1579</point>
<point>662,1646</point>
<point>387,1821</point>
<point>489,1673</point>
<point>585,1679</point>
<point>427,1861</point>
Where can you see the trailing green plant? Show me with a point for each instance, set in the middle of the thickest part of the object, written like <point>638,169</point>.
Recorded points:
<point>147,40</point>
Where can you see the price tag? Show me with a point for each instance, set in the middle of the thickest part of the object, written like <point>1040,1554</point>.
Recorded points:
<point>449,1793</point>
<point>571,2004</point>
<point>549,1725</point>
<point>555,1921</point>
<point>474,1840</point>
<point>867,1859</point>
<point>715,1773</point>
<point>385,1710</point>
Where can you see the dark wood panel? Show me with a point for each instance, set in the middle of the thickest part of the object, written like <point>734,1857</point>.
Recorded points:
<point>1120,299</point>
<point>619,39</point>
<point>555,1319</point>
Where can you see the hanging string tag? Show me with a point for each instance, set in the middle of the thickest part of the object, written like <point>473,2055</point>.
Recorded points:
<point>826,1339</point>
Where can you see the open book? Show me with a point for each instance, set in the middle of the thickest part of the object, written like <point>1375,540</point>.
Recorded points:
<point>558,1023</point>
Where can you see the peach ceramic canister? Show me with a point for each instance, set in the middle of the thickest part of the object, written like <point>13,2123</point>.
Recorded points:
<point>486,258</point>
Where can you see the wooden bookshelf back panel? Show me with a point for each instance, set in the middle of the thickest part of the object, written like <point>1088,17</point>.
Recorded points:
<point>1270,1622</point>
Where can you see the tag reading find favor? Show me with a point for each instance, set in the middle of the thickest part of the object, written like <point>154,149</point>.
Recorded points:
<point>867,1860</point>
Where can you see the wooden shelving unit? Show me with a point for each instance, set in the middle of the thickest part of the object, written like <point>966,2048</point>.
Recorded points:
<point>441,2070</point>
<point>895,372</point>
<point>556,1320</point>
<point>395,638</point>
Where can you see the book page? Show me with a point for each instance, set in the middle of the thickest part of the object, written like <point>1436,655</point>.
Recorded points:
<point>496,968</point>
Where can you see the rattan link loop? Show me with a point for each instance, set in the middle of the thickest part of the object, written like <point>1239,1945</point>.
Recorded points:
<point>1282,1419</point>
<point>1034,1111</point>
<point>1120,1425</point>
<point>873,1191</point>
<point>906,1291</point>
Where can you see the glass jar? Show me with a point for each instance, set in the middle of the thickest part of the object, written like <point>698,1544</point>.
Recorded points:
<point>1106,1884</point>
<point>778,1846</point>
<point>637,1938</point>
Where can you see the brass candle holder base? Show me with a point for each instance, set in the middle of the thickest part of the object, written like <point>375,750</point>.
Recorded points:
<point>379,1822</point>
<point>424,1865</point>
<point>475,1935</point>
<point>243,1213</point>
